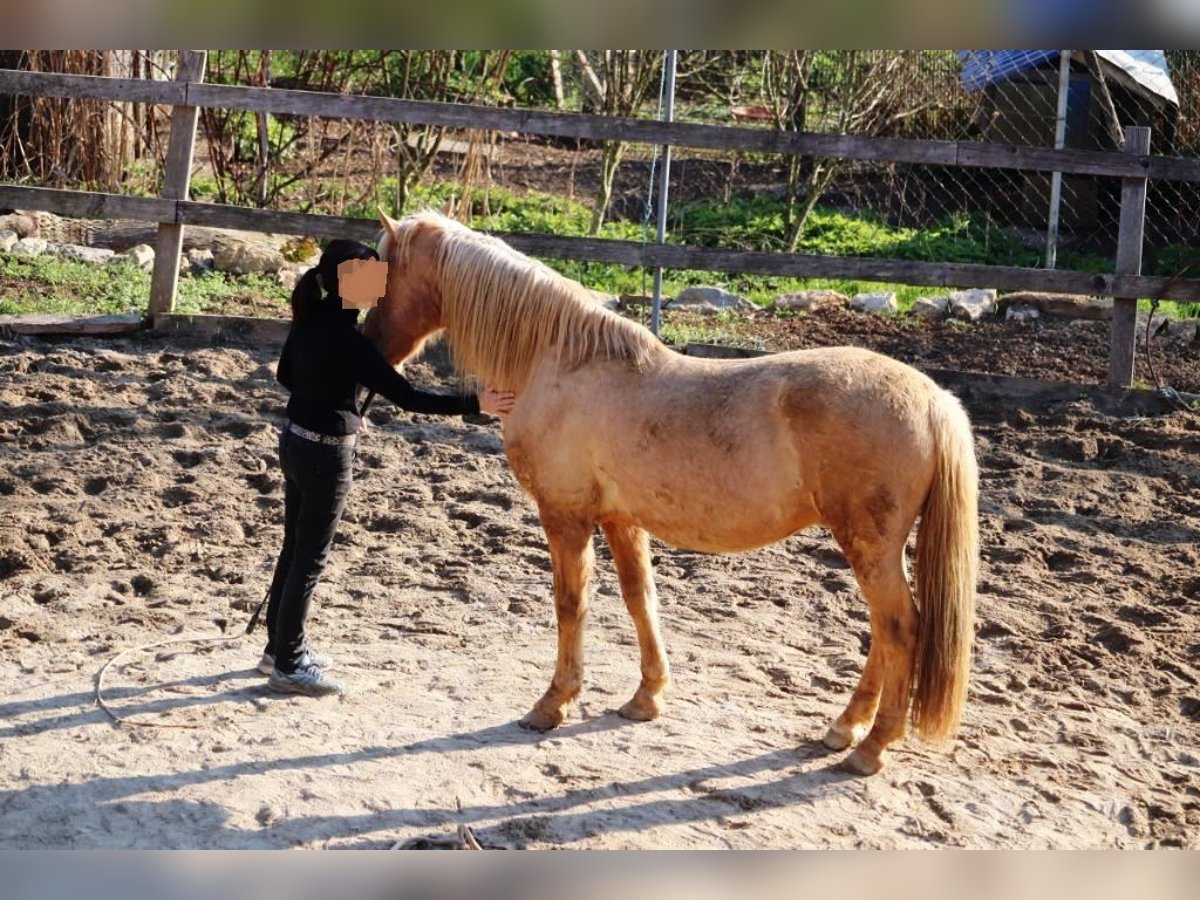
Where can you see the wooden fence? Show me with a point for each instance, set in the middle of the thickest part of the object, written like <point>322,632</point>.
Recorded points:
<point>187,93</point>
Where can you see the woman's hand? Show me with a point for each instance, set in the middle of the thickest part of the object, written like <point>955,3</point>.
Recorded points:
<point>363,426</point>
<point>497,403</point>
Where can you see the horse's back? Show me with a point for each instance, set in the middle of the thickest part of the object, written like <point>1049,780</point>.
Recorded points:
<point>719,454</point>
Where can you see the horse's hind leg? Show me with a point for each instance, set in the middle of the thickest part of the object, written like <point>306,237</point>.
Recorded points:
<point>856,719</point>
<point>570,540</point>
<point>880,702</point>
<point>631,555</point>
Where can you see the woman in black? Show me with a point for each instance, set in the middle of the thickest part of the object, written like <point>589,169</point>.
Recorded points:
<point>324,361</point>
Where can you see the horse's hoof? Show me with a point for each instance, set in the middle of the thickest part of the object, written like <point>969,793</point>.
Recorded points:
<point>840,736</point>
<point>861,763</point>
<point>640,710</point>
<point>536,720</point>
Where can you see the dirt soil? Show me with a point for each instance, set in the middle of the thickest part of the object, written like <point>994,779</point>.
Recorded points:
<point>140,503</point>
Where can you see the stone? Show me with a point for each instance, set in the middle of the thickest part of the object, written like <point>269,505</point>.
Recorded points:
<point>1158,324</point>
<point>8,239</point>
<point>1186,331</point>
<point>242,256</point>
<point>875,302</point>
<point>1021,313</point>
<point>972,305</point>
<point>933,308</point>
<point>141,255</point>
<point>290,274</point>
<point>1061,306</point>
<point>30,246</point>
<point>93,255</point>
<point>200,260</point>
<point>711,299</point>
<point>608,301</point>
<point>808,301</point>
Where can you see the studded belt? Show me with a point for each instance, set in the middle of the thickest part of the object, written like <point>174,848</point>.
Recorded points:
<point>337,440</point>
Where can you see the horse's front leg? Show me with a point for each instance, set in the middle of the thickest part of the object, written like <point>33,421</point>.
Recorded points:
<point>631,554</point>
<point>571,554</point>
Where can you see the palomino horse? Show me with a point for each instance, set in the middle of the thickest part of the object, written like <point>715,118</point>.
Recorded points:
<point>612,428</point>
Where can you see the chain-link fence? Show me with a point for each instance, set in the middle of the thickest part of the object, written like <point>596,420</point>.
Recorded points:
<point>1075,99</point>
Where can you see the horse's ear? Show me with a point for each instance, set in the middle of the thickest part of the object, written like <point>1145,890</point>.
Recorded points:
<point>389,224</point>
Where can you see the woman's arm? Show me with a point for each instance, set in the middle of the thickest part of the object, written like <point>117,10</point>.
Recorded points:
<point>373,372</point>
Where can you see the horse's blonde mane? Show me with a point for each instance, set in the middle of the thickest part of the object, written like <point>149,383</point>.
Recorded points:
<point>503,311</point>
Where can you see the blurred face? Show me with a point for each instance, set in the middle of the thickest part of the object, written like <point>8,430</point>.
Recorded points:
<point>361,282</point>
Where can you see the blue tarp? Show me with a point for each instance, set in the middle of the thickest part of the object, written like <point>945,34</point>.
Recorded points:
<point>984,67</point>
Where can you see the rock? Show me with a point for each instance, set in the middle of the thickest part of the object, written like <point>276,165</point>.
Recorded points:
<point>241,255</point>
<point>1158,324</point>
<point>933,308</point>
<point>8,239</point>
<point>711,299</point>
<point>30,246</point>
<point>200,260</point>
<point>608,301</point>
<point>972,305</point>
<point>93,255</point>
<point>290,274</point>
<point>1021,313</point>
<point>22,223</point>
<point>805,301</point>
<point>141,256</point>
<point>1186,331</point>
<point>875,302</point>
<point>1061,306</point>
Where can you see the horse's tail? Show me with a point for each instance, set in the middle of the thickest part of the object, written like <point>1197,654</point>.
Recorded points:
<point>947,565</point>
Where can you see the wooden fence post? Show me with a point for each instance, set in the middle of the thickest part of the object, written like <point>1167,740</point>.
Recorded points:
<point>1129,262</point>
<point>177,178</point>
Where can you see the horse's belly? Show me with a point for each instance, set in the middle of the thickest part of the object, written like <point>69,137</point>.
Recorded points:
<point>712,514</point>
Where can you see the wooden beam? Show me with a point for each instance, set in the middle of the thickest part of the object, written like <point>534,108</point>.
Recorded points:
<point>94,87</point>
<point>52,324</point>
<point>216,215</point>
<point>165,276</point>
<point>1130,238</point>
<point>87,204</point>
<point>684,134</point>
<point>646,131</point>
<point>248,328</point>
<point>628,253</point>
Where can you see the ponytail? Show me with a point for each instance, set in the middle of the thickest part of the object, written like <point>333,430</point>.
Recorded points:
<point>306,295</point>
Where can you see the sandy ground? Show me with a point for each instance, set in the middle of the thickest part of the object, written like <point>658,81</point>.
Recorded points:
<point>140,502</point>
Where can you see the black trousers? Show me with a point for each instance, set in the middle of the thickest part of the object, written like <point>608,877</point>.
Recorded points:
<point>317,480</point>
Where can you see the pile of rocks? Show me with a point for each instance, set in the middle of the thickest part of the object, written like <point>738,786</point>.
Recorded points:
<point>966,305</point>
<point>101,242</point>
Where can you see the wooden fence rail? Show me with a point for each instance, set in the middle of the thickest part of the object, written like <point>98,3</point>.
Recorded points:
<point>602,128</point>
<point>188,93</point>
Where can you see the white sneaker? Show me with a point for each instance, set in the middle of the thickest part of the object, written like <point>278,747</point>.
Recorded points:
<point>266,665</point>
<point>308,680</point>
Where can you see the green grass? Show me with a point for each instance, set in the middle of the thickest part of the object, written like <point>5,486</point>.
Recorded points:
<point>50,284</point>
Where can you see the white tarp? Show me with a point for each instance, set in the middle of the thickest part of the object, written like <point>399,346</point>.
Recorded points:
<point>1147,68</point>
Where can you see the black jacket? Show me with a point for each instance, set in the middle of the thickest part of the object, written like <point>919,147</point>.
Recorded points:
<point>325,358</point>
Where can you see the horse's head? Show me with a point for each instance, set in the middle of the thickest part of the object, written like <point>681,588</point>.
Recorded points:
<point>411,309</point>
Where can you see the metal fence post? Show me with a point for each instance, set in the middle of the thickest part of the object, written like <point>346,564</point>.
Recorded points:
<point>1129,262</point>
<point>177,178</point>
<point>1060,140</point>
<point>664,183</point>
